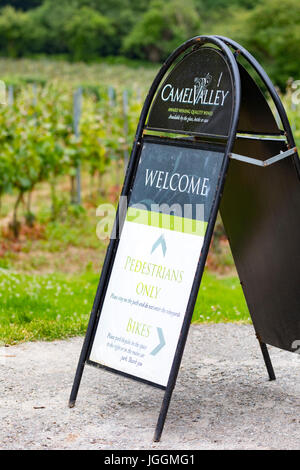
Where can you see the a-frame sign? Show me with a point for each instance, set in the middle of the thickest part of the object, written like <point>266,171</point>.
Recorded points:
<point>204,121</point>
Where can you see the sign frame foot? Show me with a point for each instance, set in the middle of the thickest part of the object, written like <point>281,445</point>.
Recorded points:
<point>84,353</point>
<point>77,379</point>
<point>162,415</point>
<point>267,359</point>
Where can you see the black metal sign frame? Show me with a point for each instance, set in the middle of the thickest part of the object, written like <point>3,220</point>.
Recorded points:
<point>230,51</point>
<point>175,143</point>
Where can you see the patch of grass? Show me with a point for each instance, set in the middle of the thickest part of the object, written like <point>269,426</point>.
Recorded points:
<point>37,307</point>
<point>220,300</point>
<point>5,261</point>
<point>57,306</point>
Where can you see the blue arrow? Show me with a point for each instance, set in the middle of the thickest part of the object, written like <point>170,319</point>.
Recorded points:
<point>160,241</point>
<point>161,342</point>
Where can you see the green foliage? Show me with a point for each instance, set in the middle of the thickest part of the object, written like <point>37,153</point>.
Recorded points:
<point>69,27</point>
<point>161,29</point>
<point>210,6</point>
<point>88,34</point>
<point>271,32</point>
<point>53,17</point>
<point>291,102</point>
<point>14,26</point>
<point>123,14</point>
<point>85,30</point>
<point>39,145</point>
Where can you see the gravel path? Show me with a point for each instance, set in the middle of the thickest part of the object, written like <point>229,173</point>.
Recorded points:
<point>222,400</point>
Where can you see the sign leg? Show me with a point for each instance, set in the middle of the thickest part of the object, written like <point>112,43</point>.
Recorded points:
<point>76,384</point>
<point>267,360</point>
<point>163,414</point>
<point>81,363</point>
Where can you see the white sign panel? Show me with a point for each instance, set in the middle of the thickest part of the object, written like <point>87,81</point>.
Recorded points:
<point>156,261</point>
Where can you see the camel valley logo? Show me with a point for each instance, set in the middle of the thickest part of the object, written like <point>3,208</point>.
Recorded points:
<point>197,93</point>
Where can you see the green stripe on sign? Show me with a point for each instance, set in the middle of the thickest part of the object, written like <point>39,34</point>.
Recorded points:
<point>166,221</point>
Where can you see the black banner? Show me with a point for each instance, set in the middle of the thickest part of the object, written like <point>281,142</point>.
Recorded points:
<point>196,97</point>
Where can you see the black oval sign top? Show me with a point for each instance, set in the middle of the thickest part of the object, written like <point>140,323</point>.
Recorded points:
<point>196,97</point>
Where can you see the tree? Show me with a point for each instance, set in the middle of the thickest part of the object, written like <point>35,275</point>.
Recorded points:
<point>161,29</point>
<point>271,33</point>
<point>123,14</point>
<point>13,27</point>
<point>88,34</point>
<point>53,16</point>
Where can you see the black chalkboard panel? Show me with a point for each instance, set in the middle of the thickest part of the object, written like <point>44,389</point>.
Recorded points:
<point>174,176</point>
